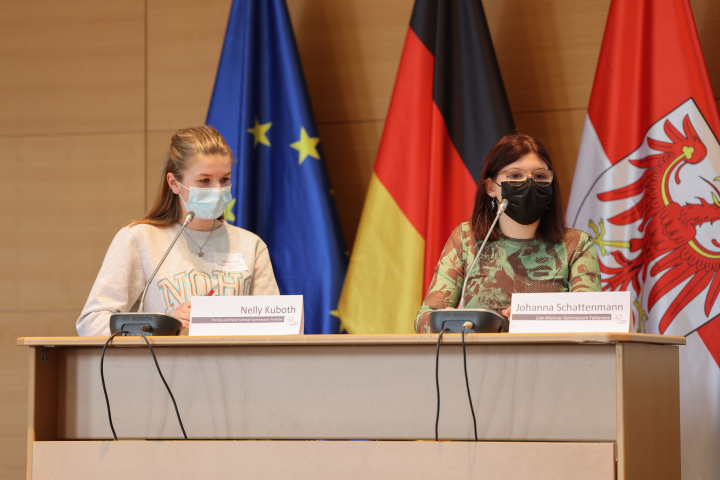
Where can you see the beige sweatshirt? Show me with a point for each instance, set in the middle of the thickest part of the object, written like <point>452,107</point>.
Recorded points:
<point>234,259</point>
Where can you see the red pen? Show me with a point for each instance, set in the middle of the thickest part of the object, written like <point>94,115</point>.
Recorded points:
<point>212,290</point>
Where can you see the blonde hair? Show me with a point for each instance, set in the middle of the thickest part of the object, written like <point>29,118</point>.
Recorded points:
<point>185,144</point>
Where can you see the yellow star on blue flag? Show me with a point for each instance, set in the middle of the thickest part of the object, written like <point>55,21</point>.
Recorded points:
<point>229,215</point>
<point>259,131</point>
<point>307,146</point>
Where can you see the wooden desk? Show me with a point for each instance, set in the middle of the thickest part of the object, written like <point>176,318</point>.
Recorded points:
<point>547,406</point>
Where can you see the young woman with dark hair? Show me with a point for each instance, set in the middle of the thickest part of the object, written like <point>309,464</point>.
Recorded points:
<point>530,250</point>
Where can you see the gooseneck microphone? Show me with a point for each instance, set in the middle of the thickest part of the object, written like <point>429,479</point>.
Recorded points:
<point>188,219</point>
<point>482,320</point>
<point>501,210</point>
<point>157,323</point>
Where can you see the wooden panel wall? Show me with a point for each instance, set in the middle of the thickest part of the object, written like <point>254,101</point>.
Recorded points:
<point>91,91</point>
<point>72,150</point>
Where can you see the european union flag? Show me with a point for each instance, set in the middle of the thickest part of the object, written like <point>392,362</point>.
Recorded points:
<point>280,186</point>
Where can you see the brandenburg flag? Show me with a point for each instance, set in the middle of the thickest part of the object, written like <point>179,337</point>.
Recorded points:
<point>647,189</point>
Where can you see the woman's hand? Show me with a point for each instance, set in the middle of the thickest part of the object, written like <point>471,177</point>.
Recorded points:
<point>506,312</point>
<point>182,313</point>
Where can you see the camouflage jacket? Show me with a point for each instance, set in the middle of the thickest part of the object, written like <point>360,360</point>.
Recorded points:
<point>508,266</point>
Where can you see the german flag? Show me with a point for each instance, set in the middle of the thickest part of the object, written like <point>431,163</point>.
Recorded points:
<point>448,108</point>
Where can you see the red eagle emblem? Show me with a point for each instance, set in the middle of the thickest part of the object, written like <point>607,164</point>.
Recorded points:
<point>668,245</point>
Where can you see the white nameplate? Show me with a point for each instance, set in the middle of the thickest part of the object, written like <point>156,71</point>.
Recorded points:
<point>251,315</point>
<point>570,312</point>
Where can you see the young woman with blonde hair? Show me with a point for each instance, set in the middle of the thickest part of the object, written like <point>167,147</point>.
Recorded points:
<point>196,177</point>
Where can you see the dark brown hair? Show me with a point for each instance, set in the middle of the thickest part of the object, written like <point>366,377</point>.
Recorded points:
<point>507,150</point>
<point>184,145</point>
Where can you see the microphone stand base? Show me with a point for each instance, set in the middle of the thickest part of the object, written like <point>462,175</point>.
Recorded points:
<point>483,321</point>
<point>159,324</point>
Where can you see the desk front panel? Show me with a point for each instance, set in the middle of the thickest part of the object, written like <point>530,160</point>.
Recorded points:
<point>305,460</point>
<point>520,392</point>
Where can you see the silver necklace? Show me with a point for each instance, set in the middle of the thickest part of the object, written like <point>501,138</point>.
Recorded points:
<point>200,247</point>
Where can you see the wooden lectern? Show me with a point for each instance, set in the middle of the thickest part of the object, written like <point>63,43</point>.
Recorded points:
<point>548,406</point>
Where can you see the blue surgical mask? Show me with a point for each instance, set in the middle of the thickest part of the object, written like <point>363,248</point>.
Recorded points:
<point>207,203</point>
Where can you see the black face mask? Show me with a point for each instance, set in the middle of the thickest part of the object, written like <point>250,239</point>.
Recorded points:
<point>528,202</point>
